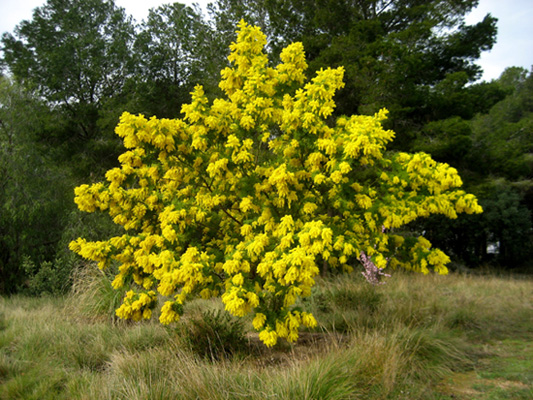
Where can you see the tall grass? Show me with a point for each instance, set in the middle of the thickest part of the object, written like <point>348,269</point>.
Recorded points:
<point>92,295</point>
<point>396,341</point>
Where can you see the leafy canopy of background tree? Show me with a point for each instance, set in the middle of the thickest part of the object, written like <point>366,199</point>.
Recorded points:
<point>73,52</point>
<point>34,193</point>
<point>175,49</point>
<point>395,52</point>
<point>504,136</point>
<point>494,152</point>
<point>77,55</point>
<point>503,142</point>
<point>248,196</point>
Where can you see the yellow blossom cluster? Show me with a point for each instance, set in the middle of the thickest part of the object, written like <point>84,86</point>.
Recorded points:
<point>248,196</point>
<point>137,306</point>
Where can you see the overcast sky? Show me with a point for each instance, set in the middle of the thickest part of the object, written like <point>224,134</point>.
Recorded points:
<point>513,48</point>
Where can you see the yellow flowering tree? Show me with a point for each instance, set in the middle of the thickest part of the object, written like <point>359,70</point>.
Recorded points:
<point>247,197</point>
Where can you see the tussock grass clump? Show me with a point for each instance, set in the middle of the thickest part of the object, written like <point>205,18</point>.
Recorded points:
<point>46,351</point>
<point>214,334</point>
<point>476,305</point>
<point>92,295</point>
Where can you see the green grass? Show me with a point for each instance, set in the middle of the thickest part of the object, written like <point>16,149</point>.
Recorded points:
<point>417,337</point>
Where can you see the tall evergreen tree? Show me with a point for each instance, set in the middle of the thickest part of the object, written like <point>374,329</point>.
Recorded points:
<point>494,153</point>
<point>176,49</point>
<point>77,54</point>
<point>395,52</point>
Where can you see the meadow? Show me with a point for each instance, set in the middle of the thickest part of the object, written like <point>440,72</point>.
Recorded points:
<point>460,336</point>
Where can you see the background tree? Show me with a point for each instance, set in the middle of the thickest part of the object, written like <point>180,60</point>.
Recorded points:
<point>504,136</point>
<point>77,55</point>
<point>175,49</point>
<point>35,194</point>
<point>493,152</point>
<point>394,52</point>
<point>502,157</point>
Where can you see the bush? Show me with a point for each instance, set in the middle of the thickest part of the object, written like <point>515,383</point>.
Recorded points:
<point>248,197</point>
<point>47,278</point>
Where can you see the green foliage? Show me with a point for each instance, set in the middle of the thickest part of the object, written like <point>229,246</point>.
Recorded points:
<point>456,96</point>
<point>75,54</point>
<point>34,192</point>
<point>448,140</point>
<point>47,278</point>
<point>36,215</point>
<point>508,222</point>
<point>175,49</point>
<point>493,152</point>
<point>398,54</point>
<point>503,138</point>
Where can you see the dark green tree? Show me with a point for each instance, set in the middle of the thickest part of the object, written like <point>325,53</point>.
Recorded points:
<point>77,54</point>
<point>494,154</point>
<point>176,50</point>
<point>35,195</point>
<point>503,137</point>
<point>448,140</point>
<point>395,52</point>
<point>508,223</point>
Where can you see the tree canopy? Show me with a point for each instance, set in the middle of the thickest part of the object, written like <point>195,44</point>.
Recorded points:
<point>394,52</point>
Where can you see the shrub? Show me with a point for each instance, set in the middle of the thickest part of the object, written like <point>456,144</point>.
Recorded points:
<point>248,197</point>
<point>47,278</point>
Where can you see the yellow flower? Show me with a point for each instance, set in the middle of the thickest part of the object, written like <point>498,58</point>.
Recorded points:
<point>268,337</point>
<point>259,321</point>
<point>168,314</point>
<point>238,280</point>
<point>246,204</point>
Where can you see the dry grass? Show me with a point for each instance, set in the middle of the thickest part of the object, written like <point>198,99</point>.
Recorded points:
<point>399,340</point>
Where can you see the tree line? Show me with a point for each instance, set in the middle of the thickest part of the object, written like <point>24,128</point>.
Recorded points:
<point>70,71</point>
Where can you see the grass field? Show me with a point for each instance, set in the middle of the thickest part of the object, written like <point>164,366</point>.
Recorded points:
<point>417,337</point>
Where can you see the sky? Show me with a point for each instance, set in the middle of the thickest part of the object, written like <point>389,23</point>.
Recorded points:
<point>514,45</point>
